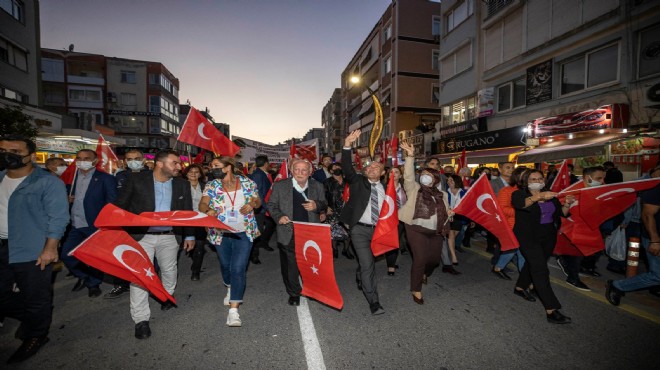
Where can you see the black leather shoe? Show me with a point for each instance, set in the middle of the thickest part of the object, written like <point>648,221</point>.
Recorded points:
<point>294,301</point>
<point>557,317</point>
<point>80,284</point>
<point>167,306</point>
<point>255,261</point>
<point>613,294</point>
<point>269,248</point>
<point>116,292</point>
<point>142,330</point>
<point>418,300</point>
<point>524,294</point>
<point>359,283</point>
<point>501,274</point>
<point>28,348</point>
<point>376,309</point>
<point>194,276</point>
<point>94,292</point>
<point>450,270</point>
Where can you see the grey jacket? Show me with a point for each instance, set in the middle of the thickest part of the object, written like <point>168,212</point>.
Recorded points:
<point>497,185</point>
<point>281,204</point>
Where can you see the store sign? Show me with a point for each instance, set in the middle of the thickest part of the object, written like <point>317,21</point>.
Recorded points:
<point>486,98</point>
<point>604,117</point>
<point>539,83</point>
<point>132,113</point>
<point>417,142</point>
<point>65,146</point>
<point>469,126</point>
<point>485,140</point>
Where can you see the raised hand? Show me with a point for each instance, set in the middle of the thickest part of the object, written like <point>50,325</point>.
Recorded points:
<point>351,138</point>
<point>408,148</point>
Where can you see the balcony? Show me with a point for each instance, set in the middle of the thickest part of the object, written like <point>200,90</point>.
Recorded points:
<point>85,80</point>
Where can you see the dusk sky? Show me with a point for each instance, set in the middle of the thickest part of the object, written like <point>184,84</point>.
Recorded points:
<point>265,67</point>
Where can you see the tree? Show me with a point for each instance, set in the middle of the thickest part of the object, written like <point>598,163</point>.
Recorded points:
<point>14,122</point>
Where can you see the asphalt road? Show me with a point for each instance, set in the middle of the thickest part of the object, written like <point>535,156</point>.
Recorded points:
<point>471,321</point>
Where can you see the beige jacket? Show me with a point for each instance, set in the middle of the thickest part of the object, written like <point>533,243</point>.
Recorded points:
<point>412,188</point>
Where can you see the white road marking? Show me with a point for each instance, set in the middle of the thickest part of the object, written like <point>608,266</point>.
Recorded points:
<point>313,352</point>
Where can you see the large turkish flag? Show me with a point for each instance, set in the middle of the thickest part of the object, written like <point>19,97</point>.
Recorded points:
<point>562,180</point>
<point>107,160</point>
<point>198,131</point>
<point>314,257</point>
<point>386,233</point>
<point>113,216</point>
<point>480,206</point>
<point>116,253</point>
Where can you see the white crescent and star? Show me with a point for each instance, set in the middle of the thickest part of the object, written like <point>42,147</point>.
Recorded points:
<point>119,251</point>
<point>621,190</point>
<point>390,208</point>
<point>480,204</point>
<point>200,131</point>
<point>312,244</point>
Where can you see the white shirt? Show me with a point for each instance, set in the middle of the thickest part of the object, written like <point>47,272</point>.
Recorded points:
<point>239,223</point>
<point>196,194</point>
<point>7,187</point>
<point>366,216</point>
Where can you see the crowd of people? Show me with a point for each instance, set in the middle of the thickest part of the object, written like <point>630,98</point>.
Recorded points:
<point>42,220</point>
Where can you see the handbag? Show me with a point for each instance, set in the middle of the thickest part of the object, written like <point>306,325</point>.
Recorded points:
<point>616,244</point>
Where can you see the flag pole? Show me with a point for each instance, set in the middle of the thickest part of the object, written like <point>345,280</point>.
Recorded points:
<point>73,182</point>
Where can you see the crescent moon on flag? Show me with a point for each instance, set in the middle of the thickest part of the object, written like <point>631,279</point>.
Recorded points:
<point>119,251</point>
<point>312,244</point>
<point>480,202</point>
<point>390,210</point>
<point>200,131</point>
<point>622,190</point>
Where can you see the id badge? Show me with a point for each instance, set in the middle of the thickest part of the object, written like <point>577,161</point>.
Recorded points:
<point>232,216</point>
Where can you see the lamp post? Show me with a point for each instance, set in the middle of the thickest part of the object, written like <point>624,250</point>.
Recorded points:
<point>377,129</point>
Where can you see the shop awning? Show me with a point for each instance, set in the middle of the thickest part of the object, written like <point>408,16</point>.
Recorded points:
<point>571,148</point>
<point>482,156</point>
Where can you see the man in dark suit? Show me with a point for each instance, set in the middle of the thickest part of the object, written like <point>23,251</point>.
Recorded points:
<point>92,190</point>
<point>157,191</point>
<point>323,174</point>
<point>265,223</point>
<point>361,214</point>
<point>297,198</point>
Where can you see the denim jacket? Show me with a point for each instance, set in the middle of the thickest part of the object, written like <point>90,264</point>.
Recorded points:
<point>38,209</point>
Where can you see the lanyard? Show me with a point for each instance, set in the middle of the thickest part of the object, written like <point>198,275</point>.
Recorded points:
<point>229,196</point>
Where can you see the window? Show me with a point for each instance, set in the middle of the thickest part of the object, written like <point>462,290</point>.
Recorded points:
<point>14,8</point>
<point>592,69</point>
<point>511,95</point>
<point>456,61</point>
<point>435,94</point>
<point>13,55</point>
<point>387,64</point>
<point>648,62</point>
<point>387,32</point>
<point>153,79</point>
<point>128,77</point>
<point>460,111</point>
<point>80,95</point>
<point>495,6</point>
<point>54,97</point>
<point>128,100</point>
<point>52,69</point>
<point>435,60</point>
<point>435,28</point>
<point>13,95</point>
<point>459,14</point>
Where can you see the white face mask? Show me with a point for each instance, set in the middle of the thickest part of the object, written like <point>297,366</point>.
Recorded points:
<point>593,182</point>
<point>84,165</point>
<point>135,165</point>
<point>426,180</point>
<point>60,170</point>
<point>535,186</point>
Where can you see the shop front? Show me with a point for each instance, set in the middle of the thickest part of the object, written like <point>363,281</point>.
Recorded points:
<point>483,148</point>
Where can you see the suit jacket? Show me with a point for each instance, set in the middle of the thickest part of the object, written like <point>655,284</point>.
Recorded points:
<point>281,204</point>
<point>137,195</point>
<point>263,185</point>
<point>320,176</point>
<point>359,188</point>
<point>528,220</point>
<point>101,191</point>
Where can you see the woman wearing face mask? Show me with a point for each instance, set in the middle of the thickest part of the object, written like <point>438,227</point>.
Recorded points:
<point>426,215</point>
<point>232,198</point>
<point>334,194</point>
<point>537,215</point>
<point>193,174</point>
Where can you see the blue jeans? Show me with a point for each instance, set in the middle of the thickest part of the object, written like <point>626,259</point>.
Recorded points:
<point>645,280</point>
<point>234,254</point>
<point>506,257</point>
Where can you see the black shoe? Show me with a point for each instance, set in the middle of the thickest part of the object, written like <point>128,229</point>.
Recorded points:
<point>94,292</point>
<point>501,274</point>
<point>167,306</point>
<point>613,294</point>
<point>376,309</point>
<point>255,261</point>
<point>617,270</point>
<point>557,317</point>
<point>294,301</point>
<point>142,330</point>
<point>524,294</point>
<point>359,283</point>
<point>390,273</point>
<point>269,248</point>
<point>28,348</point>
<point>194,276</point>
<point>450,270</point>
<point>579,285</point>
<point>116,292</point>
<point>590,272</point>
<point>80,284</point>
<point>562,266</point>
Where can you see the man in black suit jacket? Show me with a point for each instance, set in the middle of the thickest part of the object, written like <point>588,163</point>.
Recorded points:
<point>160,190</point>
<point>361,217</point>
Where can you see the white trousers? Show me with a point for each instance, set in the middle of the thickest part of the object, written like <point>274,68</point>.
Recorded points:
<point>165,248</point>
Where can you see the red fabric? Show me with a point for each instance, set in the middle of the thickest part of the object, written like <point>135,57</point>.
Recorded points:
<point>314,258</point>
<point>384,151</point>
<point>358,161</point>
<point>562,180</point>
<point>69,174</point>
<point>307,152</point>
<point>198,131</point>
<point>113,216</point>
<point>199,158</point>
<point>346,193</point>
<point>107,158</point>
<point>245,168</point>
<point>292,150</point>
<point>386,233</point>
<point>394,146</point>
<point>116,253</point>
<point>462,160</point>
<point>476,207</point>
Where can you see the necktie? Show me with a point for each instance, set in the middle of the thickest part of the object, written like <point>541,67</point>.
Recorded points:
<point>374,204</point>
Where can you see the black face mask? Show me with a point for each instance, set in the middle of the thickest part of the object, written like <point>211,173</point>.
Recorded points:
<point>12,161</point>
<point>217,173</point>
<point>337,172</point>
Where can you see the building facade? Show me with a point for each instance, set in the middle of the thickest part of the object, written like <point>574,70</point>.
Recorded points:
<point>332,124</point>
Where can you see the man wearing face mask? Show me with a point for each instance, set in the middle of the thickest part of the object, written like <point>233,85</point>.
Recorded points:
<point>89,193</point>
<point>265,223</point>
<point>55,165</point>
<point>570,265</point>
<point>33,217</point>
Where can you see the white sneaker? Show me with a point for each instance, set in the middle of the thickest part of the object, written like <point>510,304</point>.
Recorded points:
<point>232,318</point>
<point>226,300</point>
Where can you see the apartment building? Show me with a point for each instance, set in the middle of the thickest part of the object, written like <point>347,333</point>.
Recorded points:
<point>398,61</point>
<point>332,124</point>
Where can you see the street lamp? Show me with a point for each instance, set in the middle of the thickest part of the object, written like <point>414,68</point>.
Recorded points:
<point>377,129</point>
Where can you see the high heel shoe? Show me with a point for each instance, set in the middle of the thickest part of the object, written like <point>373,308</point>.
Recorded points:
<point>420,300</point>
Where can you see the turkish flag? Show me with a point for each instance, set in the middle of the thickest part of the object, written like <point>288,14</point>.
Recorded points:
<point>386,233</point>
<point>199,158</point>
<point>113,216</point>
<point>107,158</point>
<point>562,180</point>
<point>462,160</point>
<point>346,193</point>
<point>198,131</point>
<point>358,161</point>
<point>282,174</point>
<point>480,206</point>
<point>116,253</point>
<point>69,174</point>
<point>306,150</point>
<point>394,145</point>
<point>314,258</point>
<point>384,151</point>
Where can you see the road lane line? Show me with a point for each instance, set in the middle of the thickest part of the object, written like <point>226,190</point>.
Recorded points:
<point>313,352</point>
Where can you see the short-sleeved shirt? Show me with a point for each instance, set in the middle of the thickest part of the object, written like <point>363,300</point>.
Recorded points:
<point>652,197</point>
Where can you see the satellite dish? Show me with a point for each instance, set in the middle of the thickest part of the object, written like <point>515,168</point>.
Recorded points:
<point>70,47</point>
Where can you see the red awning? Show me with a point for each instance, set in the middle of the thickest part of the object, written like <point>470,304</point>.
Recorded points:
<point>572,148</point>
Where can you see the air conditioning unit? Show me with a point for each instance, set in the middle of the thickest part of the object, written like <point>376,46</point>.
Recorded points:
<point>651,94</point>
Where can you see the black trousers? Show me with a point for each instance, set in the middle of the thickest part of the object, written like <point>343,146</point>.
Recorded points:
<point>536,252</point>
<point>266,227</point>
<point>289,268</point>
<point>33,305</point>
